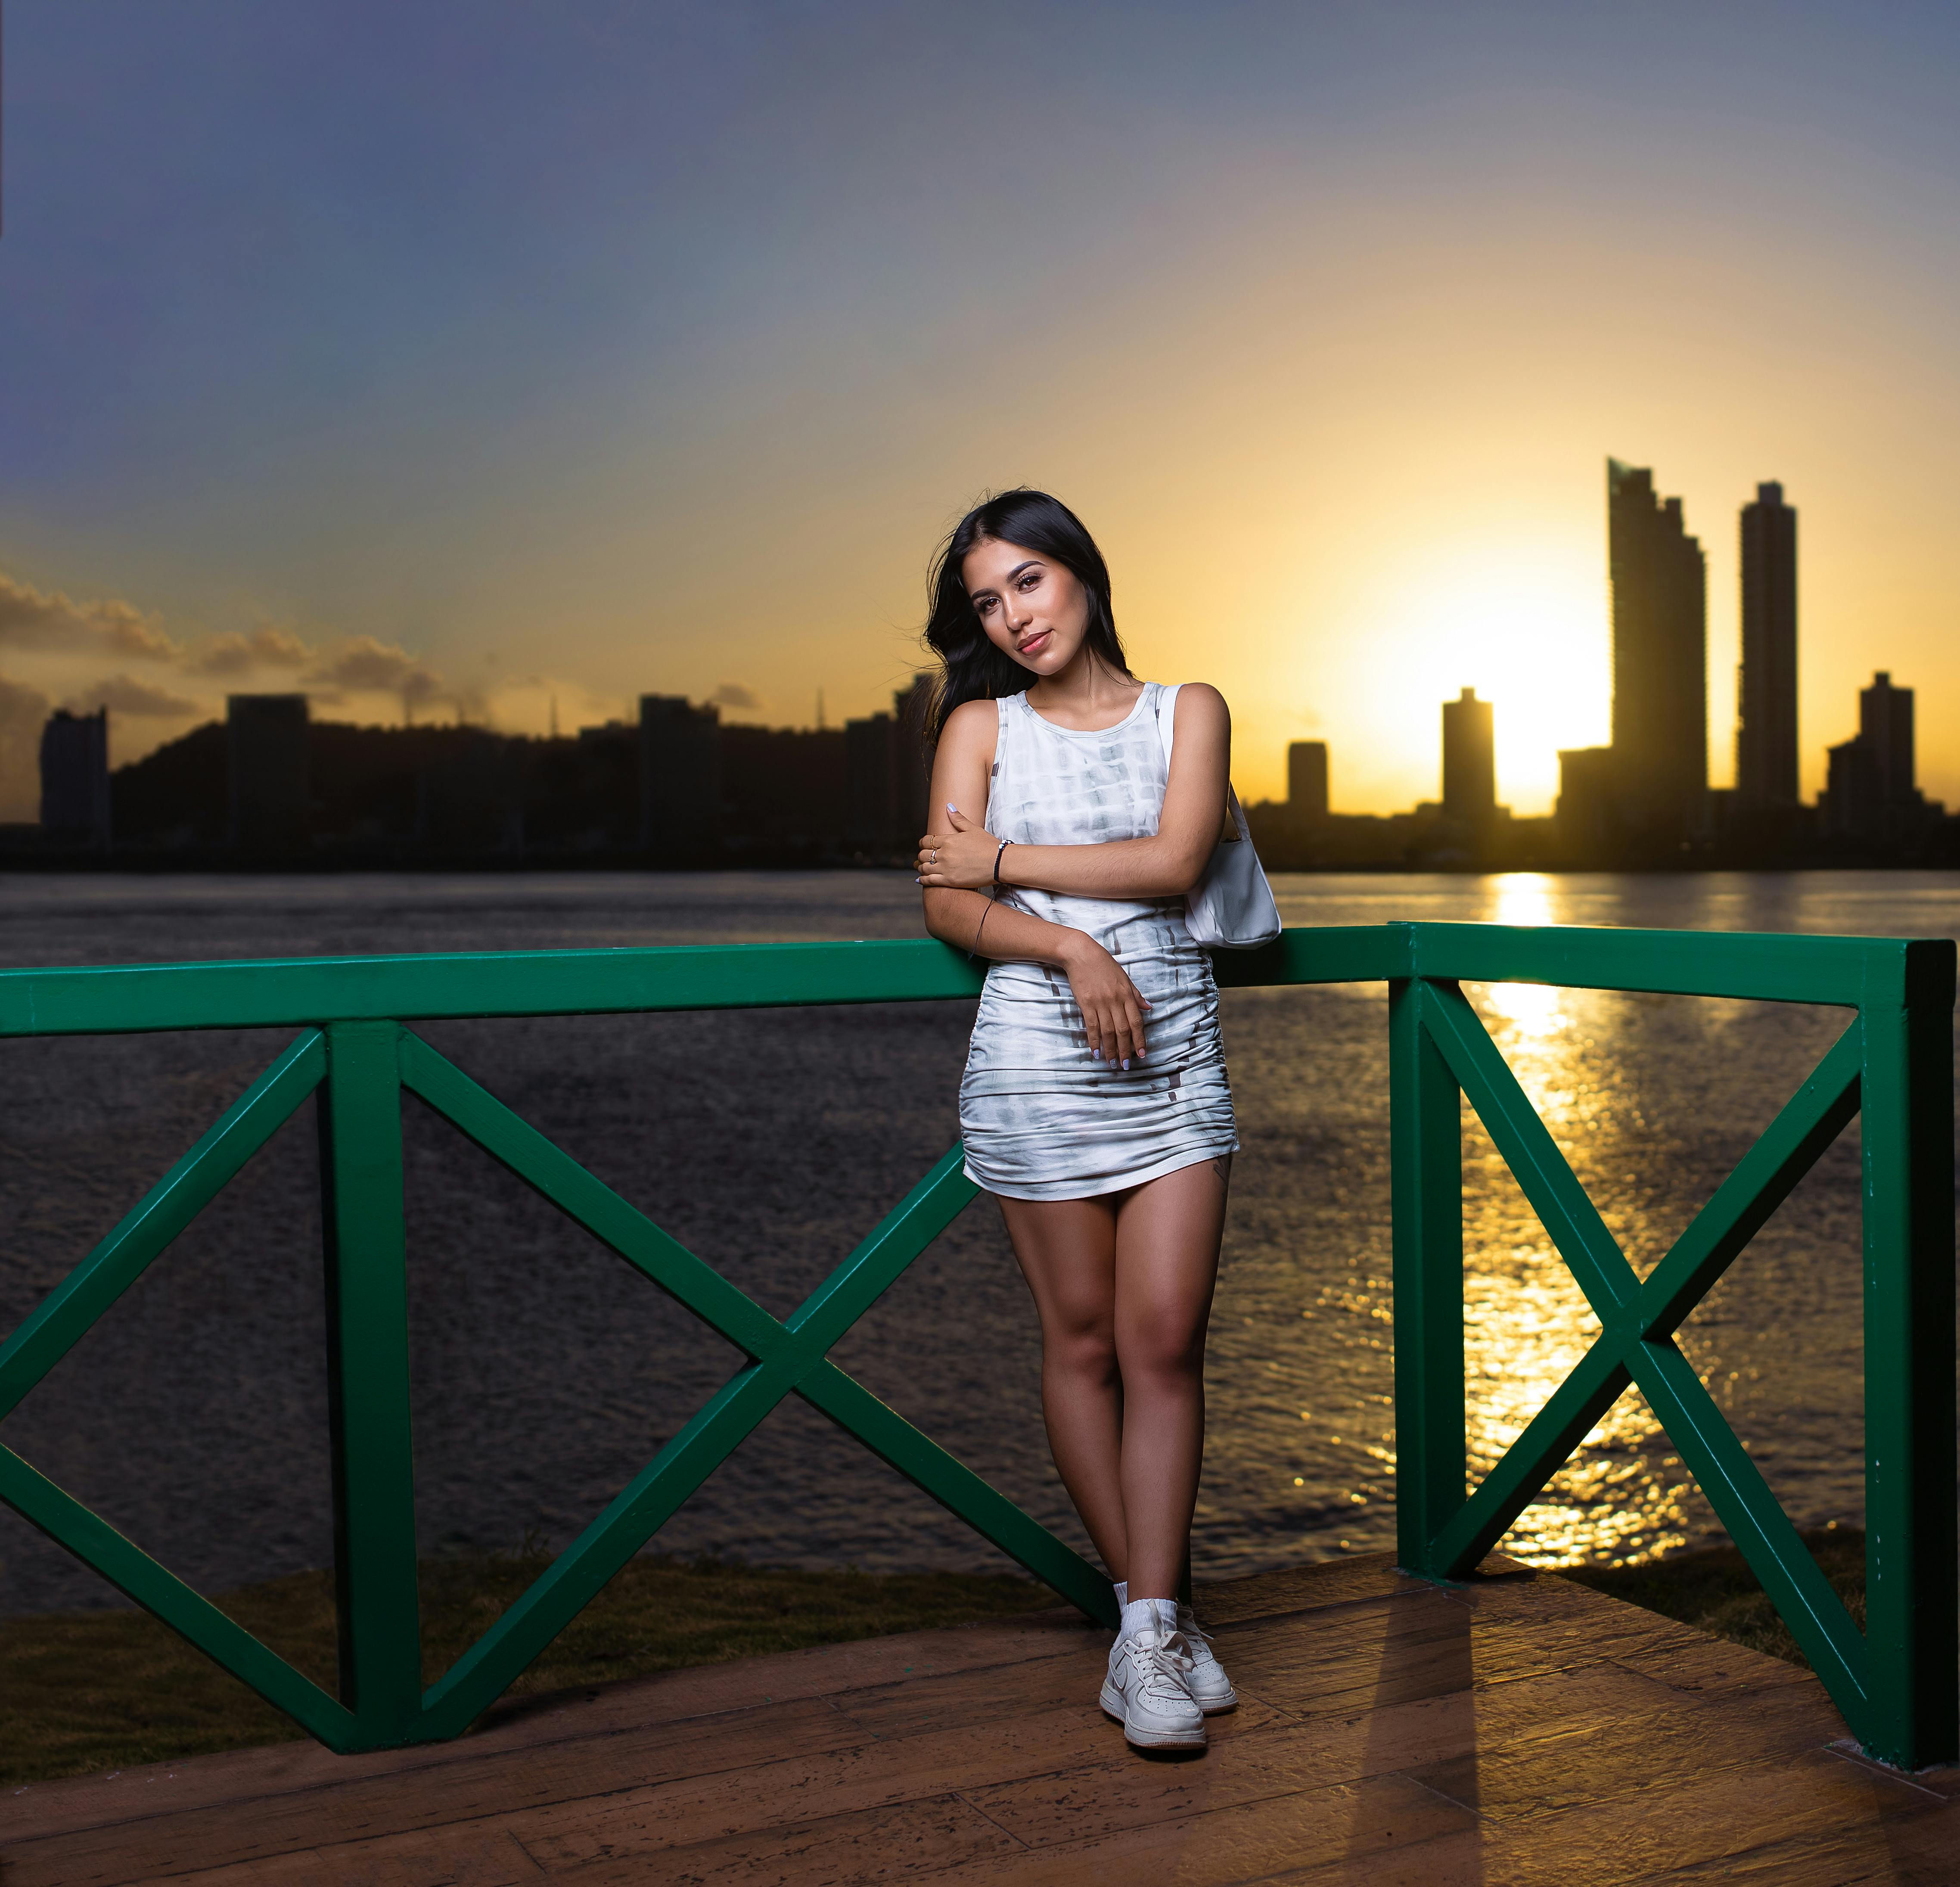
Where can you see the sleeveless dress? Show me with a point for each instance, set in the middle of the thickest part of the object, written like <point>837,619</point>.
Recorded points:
<point>1040,1119</point>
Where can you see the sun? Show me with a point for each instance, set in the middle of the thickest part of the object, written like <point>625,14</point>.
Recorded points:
<point>1523,623</point>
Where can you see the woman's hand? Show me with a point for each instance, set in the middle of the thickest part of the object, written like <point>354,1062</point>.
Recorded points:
<point>1112,1008</point>
<point>961,859</point>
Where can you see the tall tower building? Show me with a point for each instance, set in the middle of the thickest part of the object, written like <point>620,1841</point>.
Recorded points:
<point>1766,769</point>
<point>1660,658</point>
<point>680,779</point>
<point>1884,725</point>
<point>1469,761</point>
<point>74,777</point>
<point>1306,779</point>
<point>1870,792</point>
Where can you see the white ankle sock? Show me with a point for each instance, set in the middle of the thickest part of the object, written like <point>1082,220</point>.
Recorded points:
<point>1149,1614</point>
<point>1122,1587</point>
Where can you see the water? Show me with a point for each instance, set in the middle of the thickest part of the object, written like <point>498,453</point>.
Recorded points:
<point>546,1373</point>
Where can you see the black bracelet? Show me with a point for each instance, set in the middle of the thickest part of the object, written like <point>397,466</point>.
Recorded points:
<point>984,916</point>
<point>1004,843</point>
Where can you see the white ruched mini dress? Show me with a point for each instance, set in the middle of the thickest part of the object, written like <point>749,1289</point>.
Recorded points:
<point>1041,1119</point>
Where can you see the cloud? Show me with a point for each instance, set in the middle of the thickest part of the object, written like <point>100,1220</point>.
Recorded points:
<point>36,619</point>
<point>49,619</point>
<point>733,694</point>
<point>363,666</point>
<point>124,694</point>
<point>23,712</point>
<point>231,653</point>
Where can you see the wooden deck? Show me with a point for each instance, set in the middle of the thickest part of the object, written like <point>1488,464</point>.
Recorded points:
<point>1516,1730</point>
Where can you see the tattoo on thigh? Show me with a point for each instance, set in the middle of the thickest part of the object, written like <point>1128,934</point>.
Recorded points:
<point>1222,1166</point>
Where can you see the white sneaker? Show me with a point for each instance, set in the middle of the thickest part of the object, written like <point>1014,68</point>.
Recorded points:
<point>1149,1689</point>
<point>1211,1688</point>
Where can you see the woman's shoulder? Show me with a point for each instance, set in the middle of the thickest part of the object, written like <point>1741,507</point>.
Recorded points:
<point>1202,699</point>
<point>972,723</point>
<point>981,712</point>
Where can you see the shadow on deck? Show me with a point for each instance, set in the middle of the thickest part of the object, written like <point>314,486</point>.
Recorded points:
<point>1514,1730</point>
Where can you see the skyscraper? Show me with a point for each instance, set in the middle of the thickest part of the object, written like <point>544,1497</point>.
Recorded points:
<point>1660,660</point>
<point>1306,779</point>
<point>680,778</point>
<point>1885,725</point>
<point>74,777</point>
<point>1870,792</point>
<point>1469,761</point>
<point>1766,769</point>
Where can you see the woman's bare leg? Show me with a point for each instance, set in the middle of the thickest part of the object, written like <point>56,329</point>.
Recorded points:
<point>1167,1267</point>
<point>1066,1248</point>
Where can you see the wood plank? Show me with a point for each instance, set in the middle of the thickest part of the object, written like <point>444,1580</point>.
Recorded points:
<point>1342,1823</point>
<point>1737,1827</point>
<point>498,1782</point>
<point>1464,1860</point>
<point>1714,1667</point>
<point>936,1838</point>
<point>428,1858</point>
<point>1361,1656</point>
<point>1341,1582</point>
<point>960,1758</point>
<point>929,1703</point>
<point>1288,1758</point>
<point>1647,1751</point>
<point>1716,1823</point>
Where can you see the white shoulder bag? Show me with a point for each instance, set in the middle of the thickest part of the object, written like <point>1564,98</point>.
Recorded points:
<point>1231,906</point>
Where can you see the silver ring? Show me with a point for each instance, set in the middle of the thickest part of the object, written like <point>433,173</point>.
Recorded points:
<point>935,856</point>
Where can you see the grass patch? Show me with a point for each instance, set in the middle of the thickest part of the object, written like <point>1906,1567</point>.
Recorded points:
<point>84,1691</point>
<point>1713,1590</point>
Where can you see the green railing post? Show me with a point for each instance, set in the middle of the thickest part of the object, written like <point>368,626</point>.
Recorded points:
<point>367,1383</point>
<point>1912,1565</point>
<point>1426,1186</point>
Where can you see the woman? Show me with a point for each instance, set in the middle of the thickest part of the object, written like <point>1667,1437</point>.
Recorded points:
<point>1095,1105</point>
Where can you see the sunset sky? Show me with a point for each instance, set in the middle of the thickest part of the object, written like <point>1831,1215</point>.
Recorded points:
<point>468,354</point>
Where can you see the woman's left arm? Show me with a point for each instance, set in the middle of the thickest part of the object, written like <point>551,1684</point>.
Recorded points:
<point>1165,865</point>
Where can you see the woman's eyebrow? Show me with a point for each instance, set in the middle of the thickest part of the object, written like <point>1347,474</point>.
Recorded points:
<point>1032,563</point>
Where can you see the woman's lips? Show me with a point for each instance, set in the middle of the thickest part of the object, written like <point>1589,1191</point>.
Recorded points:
<point>1035,643</point>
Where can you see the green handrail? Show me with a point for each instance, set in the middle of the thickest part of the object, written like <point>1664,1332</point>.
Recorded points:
<point>1896,1683</point>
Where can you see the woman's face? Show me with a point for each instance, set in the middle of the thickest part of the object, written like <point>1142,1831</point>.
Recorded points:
<point>1031,607</point>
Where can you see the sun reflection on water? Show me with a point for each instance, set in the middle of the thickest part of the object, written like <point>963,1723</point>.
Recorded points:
<point>1527,1324</point>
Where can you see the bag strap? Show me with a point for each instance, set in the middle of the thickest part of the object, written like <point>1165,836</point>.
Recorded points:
<point>1166,728</point>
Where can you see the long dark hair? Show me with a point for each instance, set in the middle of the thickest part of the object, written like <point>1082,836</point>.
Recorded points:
<point>971,667</point>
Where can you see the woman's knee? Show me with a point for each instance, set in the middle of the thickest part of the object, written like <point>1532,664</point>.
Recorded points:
<point>1086,1349</point>
<point>1167,1349</point>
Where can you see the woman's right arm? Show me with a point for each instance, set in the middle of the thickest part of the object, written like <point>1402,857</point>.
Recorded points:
<point>1112,1011</point>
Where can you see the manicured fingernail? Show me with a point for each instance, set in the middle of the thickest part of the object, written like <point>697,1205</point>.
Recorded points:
<point>950,807</point>
<point>1126,1061</point>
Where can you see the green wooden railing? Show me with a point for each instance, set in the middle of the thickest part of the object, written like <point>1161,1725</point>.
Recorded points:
<point>1895,1683</point>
